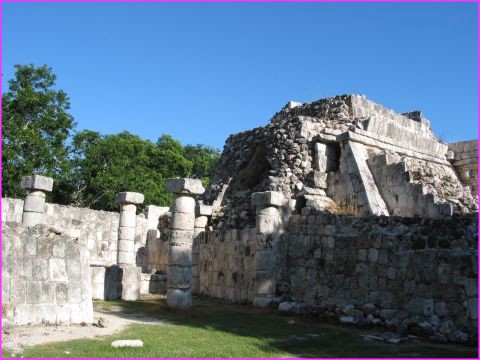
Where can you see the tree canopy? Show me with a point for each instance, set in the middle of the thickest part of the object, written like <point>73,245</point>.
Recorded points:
<point>35,127</point>
<point>92,168</point>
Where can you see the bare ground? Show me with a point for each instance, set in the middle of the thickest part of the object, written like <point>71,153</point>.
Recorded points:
<point>17,338</point>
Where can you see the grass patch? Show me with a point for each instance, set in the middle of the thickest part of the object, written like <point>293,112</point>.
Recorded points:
<point>215,329</point>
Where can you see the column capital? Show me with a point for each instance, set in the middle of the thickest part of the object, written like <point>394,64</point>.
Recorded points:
<point>37,182</point>
<point>185,186</point>
<point>267,199</point>
<point>128,197</point>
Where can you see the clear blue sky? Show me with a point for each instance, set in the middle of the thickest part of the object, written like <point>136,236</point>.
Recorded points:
<point>203,71</point>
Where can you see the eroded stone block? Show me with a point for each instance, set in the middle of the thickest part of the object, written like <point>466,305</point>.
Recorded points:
<point>129,197</point>
<point>37,182</point>
<point>184,186</point>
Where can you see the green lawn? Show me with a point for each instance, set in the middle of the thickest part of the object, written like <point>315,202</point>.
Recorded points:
<point>214,329</point>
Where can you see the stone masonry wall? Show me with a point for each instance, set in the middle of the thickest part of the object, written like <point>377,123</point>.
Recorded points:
<point>409,274</point>
<point>226,264</point>
<point>45,276</point>
<point>465,162</point>
<point>98,228</point>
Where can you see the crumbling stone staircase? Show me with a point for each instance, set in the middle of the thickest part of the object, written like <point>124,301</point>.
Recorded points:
<point>401,194</point>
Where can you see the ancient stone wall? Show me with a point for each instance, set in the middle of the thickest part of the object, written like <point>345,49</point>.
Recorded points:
<point>98,228</point>
<point>321,155</point>
<point>226,264</point>
<point>45,276</point>
<point>465,162</point>
<point>401,272</point>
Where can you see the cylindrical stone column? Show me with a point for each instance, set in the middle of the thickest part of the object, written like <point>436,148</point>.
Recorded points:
<point>126,230</point>
<point>34,204</point>
<point>268,229</point>
<point>202,213</point>
<point>179,280</point>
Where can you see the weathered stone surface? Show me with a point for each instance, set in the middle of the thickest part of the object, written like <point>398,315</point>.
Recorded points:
<point>184,204</point>
<point>44,284</point>
<point>129,197</point>
<point>203,210</point>
<point>37,182</point>
<point>267,198</point>
<point>179,299</point>
<point>127,343</point>
<point>184,186</point>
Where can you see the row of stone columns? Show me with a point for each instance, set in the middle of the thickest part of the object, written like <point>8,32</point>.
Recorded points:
<point>188,222</point>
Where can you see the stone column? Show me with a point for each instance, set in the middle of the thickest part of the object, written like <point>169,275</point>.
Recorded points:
<point>179,292</point>
<point>268,228</point>
<point>34,204</point>
<point>125,278</point>
<point>202,212</point>
<point>126,230</point>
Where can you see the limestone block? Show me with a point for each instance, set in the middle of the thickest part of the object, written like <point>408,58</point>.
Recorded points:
<point>264,260</point>
<point>61,293</point>
<point>264,283</point>
<point>153,213</point>
<point>179,299</point>
<point>180,255</point>
<point>185,186</point>
<point>293,104</point>
<point>320,158</point>
<point>203,210</point>
<point>127,258</point>
<point>126,245</point>
<point>445,209</point>
<point>34,203</point>
<point>32,218</point>
<point>266,224</point>
<point>47,293</point>
<point>75,293</point>
<point>131,291</point>
<point>63,314</point>
<point>267,198</point>
<point>128,219</point>
<point>129,197</point>
<point>126,233</point>
<point>320,179</point>
<point>201,222</point>
<point>73,270</point>
<point>37,182</point>
<point>184,204</point>
<point>183,221</point>
<point>180,277</point>
<point>40,269</point>
<point>34,292</point>
<point>59,248</point>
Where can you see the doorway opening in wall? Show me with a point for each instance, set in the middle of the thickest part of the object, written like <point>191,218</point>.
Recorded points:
<point>256,170</point>
<point>333,153</point>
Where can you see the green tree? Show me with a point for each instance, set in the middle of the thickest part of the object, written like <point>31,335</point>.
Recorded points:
<point>35,127</point>
<point>106,165</point>
<point>204,158</point>
<point>170,160</point>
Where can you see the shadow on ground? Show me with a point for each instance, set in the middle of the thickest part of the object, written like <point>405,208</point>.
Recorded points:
<point>271,333</point>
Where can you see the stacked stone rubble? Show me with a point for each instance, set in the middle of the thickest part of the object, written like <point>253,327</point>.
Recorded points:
<point>318,154</point>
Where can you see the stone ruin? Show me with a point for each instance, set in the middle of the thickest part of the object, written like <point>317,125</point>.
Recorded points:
<point>344,152</point>
<point>339,208</point>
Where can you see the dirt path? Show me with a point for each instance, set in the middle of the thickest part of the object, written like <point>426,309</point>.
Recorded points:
<point>17,338</point>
